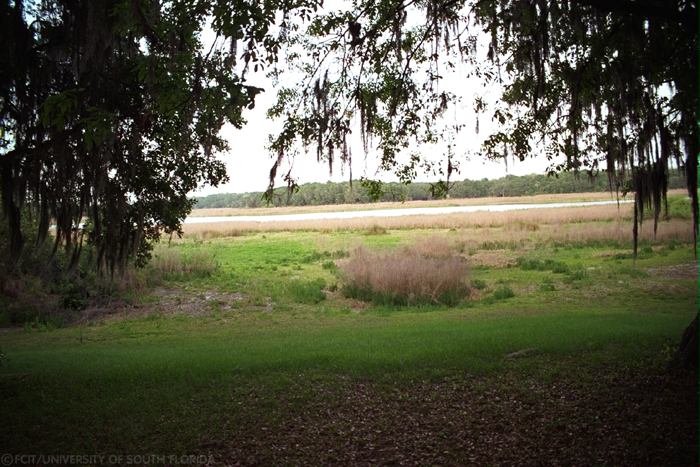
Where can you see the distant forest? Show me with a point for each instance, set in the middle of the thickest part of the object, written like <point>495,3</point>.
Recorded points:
<point>314,194</point>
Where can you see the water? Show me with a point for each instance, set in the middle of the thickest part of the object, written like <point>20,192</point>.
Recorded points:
<point>394,212</point>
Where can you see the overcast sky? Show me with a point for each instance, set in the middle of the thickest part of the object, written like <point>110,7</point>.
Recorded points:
<point>248,162</point>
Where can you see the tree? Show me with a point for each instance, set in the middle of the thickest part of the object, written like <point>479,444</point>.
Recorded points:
<point>600,85</point>
<point>110,111</point>
<point>605,85</point>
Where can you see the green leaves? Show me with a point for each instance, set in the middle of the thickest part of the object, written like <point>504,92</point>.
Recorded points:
<point>57,109</point>
<point>116,113</point>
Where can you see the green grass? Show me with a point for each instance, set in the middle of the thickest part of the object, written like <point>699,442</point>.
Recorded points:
<point>166,381</point>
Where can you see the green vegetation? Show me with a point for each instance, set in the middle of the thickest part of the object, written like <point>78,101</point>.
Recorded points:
<point>503,292</point>
<point>274,349</point>
<point>259,332</point>
<point>315,194</point>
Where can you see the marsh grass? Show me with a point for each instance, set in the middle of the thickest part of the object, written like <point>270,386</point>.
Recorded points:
<point>428,272</point>
<point>534,199</point>
<point>308,292</point>
<point>503,292</point>
<point>166,382</point>
<point>172,263</point>
<point>535,264</point>
<point>376,229</point>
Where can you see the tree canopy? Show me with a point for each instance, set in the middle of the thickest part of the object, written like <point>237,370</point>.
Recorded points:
<point>112,110</point>
<point>316,194</point>
<point>591,85</point>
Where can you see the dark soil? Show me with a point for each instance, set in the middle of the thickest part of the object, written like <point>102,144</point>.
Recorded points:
<point>615,418</point>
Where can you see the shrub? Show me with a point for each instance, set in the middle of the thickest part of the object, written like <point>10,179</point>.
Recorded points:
<point>542,265</point>
<point>407,276</point>
<point>478,284</point>
<point>576,275</point>
<point>503,292</point>
<point>547,285</point>
<point>679,207</point>
<point>173,264</point>
<point>376,230</point>
<point>310,292</point>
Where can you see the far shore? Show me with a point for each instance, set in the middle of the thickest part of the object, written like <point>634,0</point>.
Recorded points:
<point>544,198</point>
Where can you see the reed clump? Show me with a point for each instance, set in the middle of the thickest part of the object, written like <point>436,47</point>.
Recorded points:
<point>429,272</point>
<point>171,263</point>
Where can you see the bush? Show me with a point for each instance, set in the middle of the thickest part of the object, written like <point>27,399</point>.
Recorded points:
<point>376,230</point>
<point>503,292</point>
<point>478,284</point>
<point>173,264</point>
<point>428,272</point>
<point>575,275</point>
<point>679,207</point>
<point>310,292</point>
<point>542,265</point>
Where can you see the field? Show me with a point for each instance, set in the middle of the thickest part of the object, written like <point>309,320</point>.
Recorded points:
<point>550,198</point>
<point>252,346</point>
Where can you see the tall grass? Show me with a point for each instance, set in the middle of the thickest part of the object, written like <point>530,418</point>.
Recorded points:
<point>527,220</point>
<point>428,272</point>
<point>170,263</point>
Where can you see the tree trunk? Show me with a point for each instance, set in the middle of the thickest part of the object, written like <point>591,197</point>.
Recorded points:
<point>687,354</point>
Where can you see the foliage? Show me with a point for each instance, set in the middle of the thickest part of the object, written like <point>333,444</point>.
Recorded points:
<point>679,208</point>
<point>315,194</point>
<point>111,111</point>
<point>39,283</point>
<point>542,265</point>
<point>503,292</point>
<point>608,85</point>
<point>309,292</point>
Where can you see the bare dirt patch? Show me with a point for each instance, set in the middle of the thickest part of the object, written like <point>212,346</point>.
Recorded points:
<point>687,271</point>
<point>168,301</point>
<point>493,258</point>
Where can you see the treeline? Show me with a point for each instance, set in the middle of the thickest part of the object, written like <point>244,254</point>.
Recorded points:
<point>314,194</point>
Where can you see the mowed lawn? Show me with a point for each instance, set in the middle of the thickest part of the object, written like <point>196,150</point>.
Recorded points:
<point>246,350</point>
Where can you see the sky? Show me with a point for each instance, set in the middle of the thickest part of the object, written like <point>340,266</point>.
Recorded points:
<point>248,162</point>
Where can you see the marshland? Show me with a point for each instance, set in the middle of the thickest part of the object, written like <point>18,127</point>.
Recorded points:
<point>274,233</point>
<point>417,338</point>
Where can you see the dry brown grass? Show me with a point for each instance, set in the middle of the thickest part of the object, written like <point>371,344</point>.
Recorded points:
<point>428,272</point>
<point>530,219</point>
<point>587,233</point>
<point>485,230</point>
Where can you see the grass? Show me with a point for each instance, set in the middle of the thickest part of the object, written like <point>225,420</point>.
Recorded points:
<point>253,332</point>
<point>173,264</point>
<point>503,292</point>
<point>604,223</point>
<point>429,271</point>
